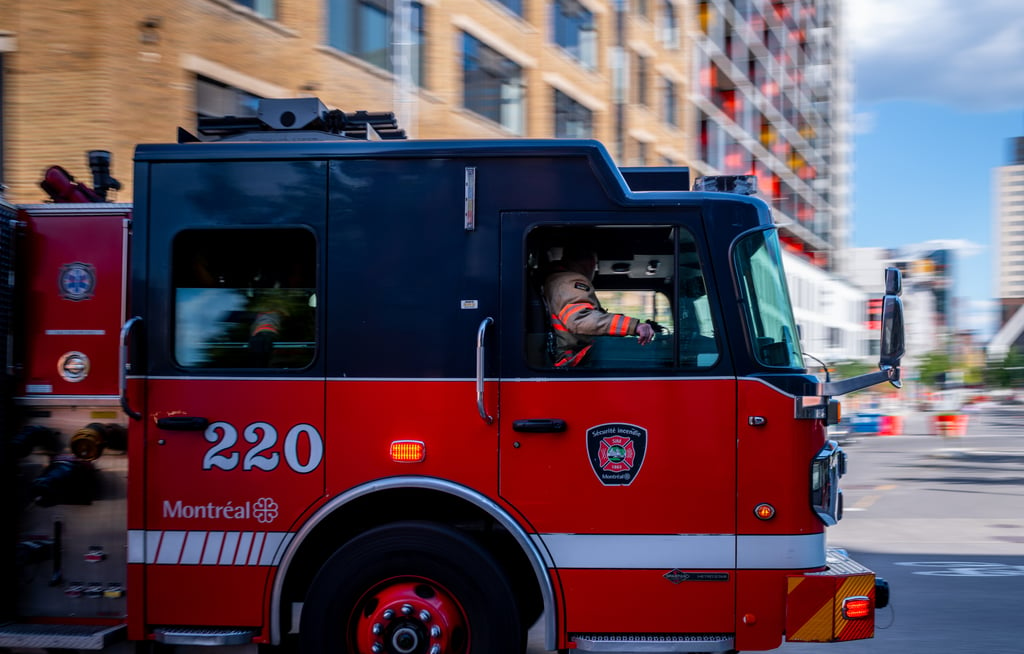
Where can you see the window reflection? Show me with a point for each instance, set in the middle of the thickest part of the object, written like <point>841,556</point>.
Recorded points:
<point>244,299</point>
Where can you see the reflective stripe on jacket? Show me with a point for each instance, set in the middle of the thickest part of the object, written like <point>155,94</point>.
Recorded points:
<point>577,316</point>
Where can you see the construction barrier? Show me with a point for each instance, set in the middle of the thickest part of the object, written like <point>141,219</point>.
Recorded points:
<point>865,423</point>
<point>890,426</point>
<point>872,423</point>
<point>951,424</point>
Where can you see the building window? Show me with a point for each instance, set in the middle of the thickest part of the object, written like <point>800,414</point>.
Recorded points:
<point>572,119</point>
<point>835,337</point>
<point>365,29</point>
<point>668,103</point>
<point>264,8</point>
<point>515,6</point>
<point>574,30</point>
<point>215,98</point>
<point>492,84</point>
<point>641,154</point>
<point>669,28</point>
<point>640,83</point>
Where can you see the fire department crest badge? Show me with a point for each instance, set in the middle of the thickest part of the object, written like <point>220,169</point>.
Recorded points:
<point>616,452</point>
<point>77,281</point>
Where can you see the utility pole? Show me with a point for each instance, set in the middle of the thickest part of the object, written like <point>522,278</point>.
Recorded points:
<point>404,51</point>
<point>619,82</point>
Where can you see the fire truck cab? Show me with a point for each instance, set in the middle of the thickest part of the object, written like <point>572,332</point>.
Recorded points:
<point>310,379</point>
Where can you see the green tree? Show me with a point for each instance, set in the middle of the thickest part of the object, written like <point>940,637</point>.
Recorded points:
<point>974,376</point>
<point>1010,373</point>
<point>848,369</point>
<point>934,364</point>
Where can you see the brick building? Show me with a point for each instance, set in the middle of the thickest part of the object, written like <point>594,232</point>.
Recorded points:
<point>722,86</point>
<point>81,75</point>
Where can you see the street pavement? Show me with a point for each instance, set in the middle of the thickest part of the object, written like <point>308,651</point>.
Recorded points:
<point>942,519</point>
<point>929,494</point>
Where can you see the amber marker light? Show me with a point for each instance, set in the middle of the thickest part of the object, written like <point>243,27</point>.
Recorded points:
<point>855,608</point>
<point>408,451</point>
<point>835,412</point>
<point>764,511</point>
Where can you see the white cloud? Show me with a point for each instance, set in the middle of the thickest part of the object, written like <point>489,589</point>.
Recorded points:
<point>966,54</point>
<point>961,246</point>
<point>864,122</point>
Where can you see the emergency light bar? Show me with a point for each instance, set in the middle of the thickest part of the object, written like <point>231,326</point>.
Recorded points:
<point>742,184</point>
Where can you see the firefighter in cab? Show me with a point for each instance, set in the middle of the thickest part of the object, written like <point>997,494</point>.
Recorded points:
<point>576,313</point>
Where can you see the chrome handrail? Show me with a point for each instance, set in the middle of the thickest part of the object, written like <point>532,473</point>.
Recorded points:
<point>123,378</point>
<point>480,332</point>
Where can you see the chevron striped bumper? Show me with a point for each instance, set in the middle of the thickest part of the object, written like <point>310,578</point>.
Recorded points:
<point>834,605</point>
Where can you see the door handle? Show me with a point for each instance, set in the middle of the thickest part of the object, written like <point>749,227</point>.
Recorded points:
<point>540,425</point>
<point>183,423</point>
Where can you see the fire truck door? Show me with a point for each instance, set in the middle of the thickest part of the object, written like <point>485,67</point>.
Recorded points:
<point>625,464</point>
<point>234,384</point>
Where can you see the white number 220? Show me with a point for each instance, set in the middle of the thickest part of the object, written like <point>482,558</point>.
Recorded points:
<point>261,455</point>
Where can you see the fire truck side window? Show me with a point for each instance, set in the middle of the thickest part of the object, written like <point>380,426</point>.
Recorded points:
<point>768,314</point>
<point>244,298</point>
<point>650,274</point>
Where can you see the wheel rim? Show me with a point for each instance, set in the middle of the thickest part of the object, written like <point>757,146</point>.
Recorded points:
<point>409,615</point>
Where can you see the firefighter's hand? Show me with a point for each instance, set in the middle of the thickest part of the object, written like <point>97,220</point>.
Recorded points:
<point>658,329</point>
<point>644,333</point>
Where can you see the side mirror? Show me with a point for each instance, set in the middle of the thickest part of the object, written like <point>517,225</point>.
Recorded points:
<point>892,344</point>
<point>891,347</point>
<point>893,281</point>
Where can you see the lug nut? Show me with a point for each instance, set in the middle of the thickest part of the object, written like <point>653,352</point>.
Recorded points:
<point>388,614</point>
<point>425,615</point>
<point>376,629</point>
<point>406,609</point>
<point>435,631</point>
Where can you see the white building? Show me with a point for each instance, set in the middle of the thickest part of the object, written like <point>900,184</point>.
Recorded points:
<point>926,286</point>
<point>830,311</point>
<point>1008,203</point>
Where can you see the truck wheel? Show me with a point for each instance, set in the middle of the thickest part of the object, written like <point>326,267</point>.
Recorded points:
<point>410,588</point>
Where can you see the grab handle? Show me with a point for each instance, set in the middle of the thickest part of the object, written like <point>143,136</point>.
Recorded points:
<point>480,332</point>
<point>125,365</point>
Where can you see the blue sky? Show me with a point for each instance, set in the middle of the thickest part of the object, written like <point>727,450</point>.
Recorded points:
<point>939,91</point>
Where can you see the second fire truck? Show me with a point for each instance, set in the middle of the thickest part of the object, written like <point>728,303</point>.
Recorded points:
<point>298,394</point>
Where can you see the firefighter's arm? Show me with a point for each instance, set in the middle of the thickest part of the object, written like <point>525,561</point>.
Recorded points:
<point>613,324</point>
<point>581,315</point>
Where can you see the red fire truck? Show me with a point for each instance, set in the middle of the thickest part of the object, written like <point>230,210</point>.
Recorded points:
<point>299,395</point>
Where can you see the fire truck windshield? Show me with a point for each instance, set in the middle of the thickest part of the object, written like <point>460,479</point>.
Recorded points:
<point>757,258</point>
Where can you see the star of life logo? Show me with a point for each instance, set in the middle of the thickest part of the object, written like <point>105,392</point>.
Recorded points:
<point>264,510</point>
<point>77,281</point>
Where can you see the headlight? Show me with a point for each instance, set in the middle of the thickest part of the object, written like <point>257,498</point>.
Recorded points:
<point>826,468</point>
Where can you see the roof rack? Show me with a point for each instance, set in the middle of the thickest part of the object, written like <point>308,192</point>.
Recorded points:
<point>296,119</point>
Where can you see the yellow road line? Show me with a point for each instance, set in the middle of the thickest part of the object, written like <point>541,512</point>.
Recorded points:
<point>868,500</point>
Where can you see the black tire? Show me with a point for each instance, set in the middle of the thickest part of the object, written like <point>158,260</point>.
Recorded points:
<point>423,565</point>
